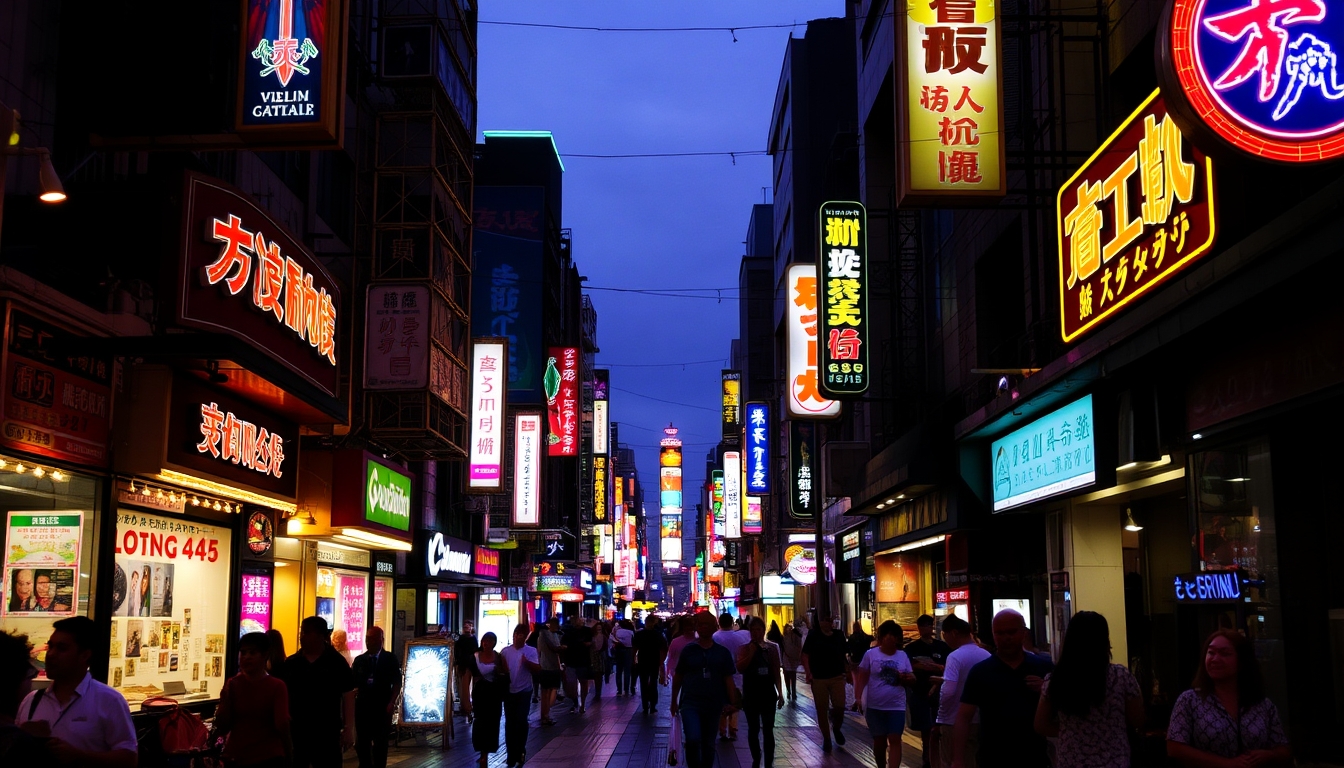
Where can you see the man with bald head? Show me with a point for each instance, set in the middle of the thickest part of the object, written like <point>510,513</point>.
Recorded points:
<point>1004,690</point>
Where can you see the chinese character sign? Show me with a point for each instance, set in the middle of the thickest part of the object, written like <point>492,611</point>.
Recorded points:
<point>255,601</point>
<point>951,112</point>
<point>716,495</point>
<point>1138,211</point>
<point>506,296</point>
<point>599,489</point>
<point>489,383</point>
<point>803,496</point>
<point>354,602</point>
<point>758,448</point>
<point>805,398</point>
<point>527,453</point>
<point>1262,76</point>
<point>396,337</point>
<point>291,68</point>
<point>732,407</point>
<point>561,385</point>
<point>843,295</point>
<point>601,413</point>
<point>1051,455</point>
<point>732,494</point>
<point>227,437</point>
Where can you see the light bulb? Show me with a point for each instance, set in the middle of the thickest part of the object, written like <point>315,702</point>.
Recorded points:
<point>3,463</point>
<point>20,469</point>
<point>159,495</point>
<point>195,502</point>
<point>217,506</point>
<point>58,476</point>
<point>132,488</point>
<point>144,490</point>
<point>38,471</point>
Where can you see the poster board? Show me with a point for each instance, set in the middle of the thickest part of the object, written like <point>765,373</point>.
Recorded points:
<point>41,562</point>
<point>427,691</point>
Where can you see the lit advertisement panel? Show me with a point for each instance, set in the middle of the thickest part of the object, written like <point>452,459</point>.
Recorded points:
<point>489,378</point>
<point>670,535</point>
<point>732,493</point>
<point>805,399</point>
<point>561,386</point>
<point>1051,455</point>
<point>527,452</point>
<point>669,483</point>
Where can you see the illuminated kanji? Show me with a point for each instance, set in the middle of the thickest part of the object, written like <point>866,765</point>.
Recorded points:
<point>805,388</point>
<point>844,344</point>
<point>294,296</point>
<point>269,282</point>
<point>1085,302</point>
<point>842,230</point>
<point>954,11</point>
<point>1116,187</point>
<point>1083,227</point>
<point>959,167</point>
<point>965,99</point>
<point>326,320</point>
<point>934,98</point>
<point>237,251</point>
<point>1164,177</point>
<point>277,456</point>
<point>1106,292</point>
<point>842,262</point>
<point>212,429</point>
<point>955,49</point>
<point>805,293</point>
<point>959,131</point>
<point>842,302</point>
<point>1261,24</point>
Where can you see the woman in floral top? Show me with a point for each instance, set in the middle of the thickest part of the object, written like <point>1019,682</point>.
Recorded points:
<point>1203,733</point>
<point>1088,702</point>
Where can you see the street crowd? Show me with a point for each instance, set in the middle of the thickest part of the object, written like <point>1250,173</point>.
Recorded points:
<point>998,703</point>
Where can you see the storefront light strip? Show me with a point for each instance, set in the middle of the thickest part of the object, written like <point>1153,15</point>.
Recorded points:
<point>9,465</point>
<point>913,545</point>
<point>365,538</point>
<point>219,489</point>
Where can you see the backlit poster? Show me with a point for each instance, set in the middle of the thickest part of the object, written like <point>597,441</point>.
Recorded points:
<point>732,493</point>
<point>752,523</point>
<point>255,603</point>
<point>561,386</point>
<point>527,453</point>
<point>489,385</point>
<point>41,563</point>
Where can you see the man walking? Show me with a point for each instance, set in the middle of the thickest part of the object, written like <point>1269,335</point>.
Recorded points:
<point>622,638</point>
<point>464,649</point>
<point>732,639</point>
<point>650,652</point>
<point>824,668</point>
<point>576,647</point>
<point>321,698</point>
<point>548,656</point>
<point>927,655</point>
<point>965,654</point>
<point>1004,690</point>
<point>522,661</point>
<point>377,676</point>
<point>85,722</point>
<point>702,691</point>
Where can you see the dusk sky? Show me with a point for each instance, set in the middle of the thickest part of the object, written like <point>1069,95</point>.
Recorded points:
<point>664,224</point>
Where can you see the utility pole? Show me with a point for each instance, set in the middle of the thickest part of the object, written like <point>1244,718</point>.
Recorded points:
<point>823,597</point>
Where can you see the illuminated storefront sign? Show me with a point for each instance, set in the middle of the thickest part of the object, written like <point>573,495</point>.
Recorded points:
<point>716,494</point>
<point>732,407</point>
<point>1215,587</point>
<point>951,112</point>
<point>1115,246</point>
<point>489,381</point>
<point>732,493</point>
<point>599,489</point>
<point>1260,75</point>
<point>849,546</point>
<point>561,383</point>
<point>229,438</point>
<point>601,413</point>
<point>446,554</point>
<point>255,600</point>
<point>486,563</point>
<point>752,522</point>
<point>527,451</point>
<point>387,496</point>
<point>805,399</point>
<point>211,434</point>
<point>843,262</point>
<point>292,69</point>
<point>803,502</point>
<point>1049,456</point>
<point>758,448</point>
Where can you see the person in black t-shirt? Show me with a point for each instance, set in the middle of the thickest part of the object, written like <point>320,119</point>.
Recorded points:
<point>927,655</point>
<point>377,676</point>
<point>1005,690</point>
<point>576,645</point>
<point>650,653</point>
<point>464,650</point>
<point>321,698</point>
<point>824,658</point>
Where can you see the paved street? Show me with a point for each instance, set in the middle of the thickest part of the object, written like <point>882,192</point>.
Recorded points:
<point>615,734</point>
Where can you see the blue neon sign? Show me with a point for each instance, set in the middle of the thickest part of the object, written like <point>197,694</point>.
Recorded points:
<point>758,448</point>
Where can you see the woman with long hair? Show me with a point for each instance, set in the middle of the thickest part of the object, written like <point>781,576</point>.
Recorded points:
<point>133,595</point>
<point>792,648</point>
<point>1088,702</point>
<point>146,594</point>
<point>490,681</point>
<point>1225,718</point>
<point>882,675</point>
<point>275,653</point>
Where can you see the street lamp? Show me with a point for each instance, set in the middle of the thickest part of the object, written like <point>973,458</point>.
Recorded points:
<point>52,189</point>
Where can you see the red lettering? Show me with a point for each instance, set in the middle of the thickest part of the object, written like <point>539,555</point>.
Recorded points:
<point>155,546</point>
<point>128,543</point>
<point>214,551</point>
<point>186,550</point>
<point>170,547</point>
<point>200,548</point>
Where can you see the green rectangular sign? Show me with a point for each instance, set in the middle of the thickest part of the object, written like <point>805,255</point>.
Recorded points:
<point>387,496</point>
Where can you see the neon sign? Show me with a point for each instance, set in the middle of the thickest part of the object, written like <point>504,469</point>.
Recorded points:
<point>1208,587</point>
<point>229,438</point>
<point>1261,75</point>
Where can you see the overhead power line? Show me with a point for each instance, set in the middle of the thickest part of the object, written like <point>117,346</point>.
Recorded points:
<point>669,402</point>
<point>718,361</point>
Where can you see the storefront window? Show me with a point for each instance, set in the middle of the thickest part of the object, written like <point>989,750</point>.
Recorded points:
<point>342,599</point>
<point>50,546</point>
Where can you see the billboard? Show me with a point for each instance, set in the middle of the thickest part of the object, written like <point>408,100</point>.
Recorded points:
<point>843,261</point>
<point>601,413</point>
<point>560,384</point>
<point>489,380</point>
<point>758,448</point>
<point>292,71</point>
<point>805,399</point>
<point>669,484</point>
<point>732,493</point>
<point>732,407</point>
<point>527,452</point>
<point>670,536</point>
<point>506,280</point>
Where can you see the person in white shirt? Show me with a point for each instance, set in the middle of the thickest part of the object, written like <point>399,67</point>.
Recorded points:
<point>87,722</point>
<point>732,639</point>
<point>965,654</point>
<point>879,691</point>
<point>623,641</point>
<point>521,660</point>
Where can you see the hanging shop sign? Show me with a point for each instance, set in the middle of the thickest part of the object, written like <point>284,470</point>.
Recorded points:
<point>732,493</point>
<point>41,563</point>
<point>1052,455</point>
<point>254,597</point>
<point>489,383</point>
<point>1217,587</point>
<point>396,337</point>
<point>800,558</point>
<point>486,563</point>
<point>1258,75</point>
<point>843,262</point>
<point>601,413</point>
<point>242,274</point>
<point>387,496</point>
<point>527,453</point>
<point>600,489</point>
<point>55,403</point>
<point>805,399</point>
<point>447,555</point>
<point>803,501</point>
<point>561,383</point>
<point>291,71</point>
<point>950,122</point>
<point>370,493</point>
<point>1116,246</point>
<point>849,546</point>
<point>716,495</point>
<point>213,433</point>
<point>758,448</point>
<point>752,522</point>
<point>732,407</point>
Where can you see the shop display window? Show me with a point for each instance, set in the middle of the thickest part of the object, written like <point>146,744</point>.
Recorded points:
<point>343,601</point>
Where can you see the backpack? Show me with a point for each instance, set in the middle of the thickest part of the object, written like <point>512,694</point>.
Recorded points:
<point>180,731</point>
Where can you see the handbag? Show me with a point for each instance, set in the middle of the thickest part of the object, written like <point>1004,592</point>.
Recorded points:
<point>180,731</point>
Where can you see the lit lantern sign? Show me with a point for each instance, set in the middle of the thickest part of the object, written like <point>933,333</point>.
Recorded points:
<point>527,451</point>
<point>758,448</point>
<point>229,438</point>
<point>844,290</point>
<point>489,380</point>
<point>599,489</point>
<point>951,119</point>
<point>292,69</point>
<point>732,493</point>
<point>805,399</point>
<point>732,407</point>
<point>1260,75</point>
<point>561,384</point>
<point>1137,212</point>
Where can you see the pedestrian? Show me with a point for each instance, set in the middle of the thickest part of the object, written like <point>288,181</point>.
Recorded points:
<point>650,653</point>
<point>858,644</point>
<point>702,691</point>
<point>824,664</point>
<point>254,710</point>
<point>536,679</point>
<point>684,627</point>
<point>966,653</point>
<point>83,721</point>
<point>338,642</point>
<point>732,639</point>
<point>928,655</point>
<point>321,698</point>
<point>623,638</point>
<point>548,655</point>
<point>762,692</point>
<point>17,671</point>
<point>1203,731</point>
<point>598,658</point>
<point>879,692</point>
<point>464,649</point>
<point>1005,690</point>
<point>791,645</point>
<point>489,684</point>
<point>275,653</point>
<point>523,664</point>
<point>377,676</point>
<point>1089,703</point>
<point>576,647</point>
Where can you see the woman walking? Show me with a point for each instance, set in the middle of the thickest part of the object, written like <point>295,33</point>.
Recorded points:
<point>792,648</point>
<point>1088,702</point>
<point>879,692</point>
<point>762,691</point>
<point>685,626</point>
<point>490,680</point>
<point>1225,719</point>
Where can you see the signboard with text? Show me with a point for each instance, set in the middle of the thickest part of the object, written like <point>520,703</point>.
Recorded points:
<point>803,491</point>
<point>41,563</point>
<point>805,399</point>
<point>292,71</point>
<point>561,385</point>
<point>732,407</point>
<point>396,337</point>
<point>527,453</point>
<point>506,298</point>
<point>758,448</point>
<point>489,383</point>
<point>212,432</point>
<point>843,262</point>
<point>732,494</point>
<point>1052,455</point>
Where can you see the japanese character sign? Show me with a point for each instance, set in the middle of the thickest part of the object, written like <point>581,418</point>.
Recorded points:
<point>803,496</point>
<point>951,128</point>
<point>732,407</point>
<point>843,264</point>
<point>1049,456</point>
<point>396,337</point>
<point>599,489</point>
<point>1261,75</point>
<point>489,381</point>
<point>229,438</point>
<point>561,385</point>
<point>758,448</point>
<point>805,398</point>
<point>527,453</point>
<point>1138,211</point>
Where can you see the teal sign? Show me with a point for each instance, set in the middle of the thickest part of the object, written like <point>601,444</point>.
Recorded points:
<point>387,496</point>
<point>1049,456</point>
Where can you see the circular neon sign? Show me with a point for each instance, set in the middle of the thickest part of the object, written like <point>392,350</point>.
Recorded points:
<point>1262,75</point>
